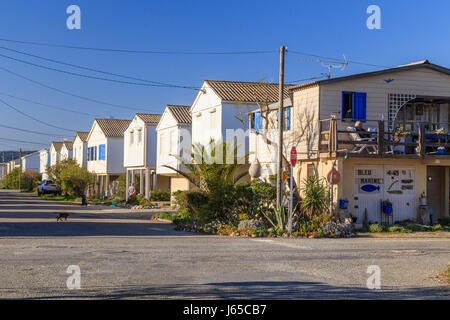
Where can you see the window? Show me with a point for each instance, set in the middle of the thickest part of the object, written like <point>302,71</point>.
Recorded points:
<point>161,144</point>
<point>287,119</point>
<point>354,106</point>
<point>310,171</point>
<point>255,121</point>
<point>139,132</point>
<point>101,152</point>
<point>131,136</point>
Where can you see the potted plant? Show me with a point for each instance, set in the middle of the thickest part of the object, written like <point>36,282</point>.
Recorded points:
<point>387,207</point>
<point>343,203</point>
<point>423,199</point>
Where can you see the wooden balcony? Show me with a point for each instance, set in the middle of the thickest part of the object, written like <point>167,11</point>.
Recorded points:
<point>337,139</point>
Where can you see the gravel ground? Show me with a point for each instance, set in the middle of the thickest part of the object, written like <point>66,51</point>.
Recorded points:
<point>125,256</point>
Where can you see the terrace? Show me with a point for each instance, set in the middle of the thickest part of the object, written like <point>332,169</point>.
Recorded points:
<point>427,140</point>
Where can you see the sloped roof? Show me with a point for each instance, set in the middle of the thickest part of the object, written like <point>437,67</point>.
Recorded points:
<point>68,144</point>
<point>83,136</point>
<point>57,145</point>
<point>247,91</point>
<point>182,114</point>
<point>113,127</point>
<point>415,65</point>
<point>149,117</point>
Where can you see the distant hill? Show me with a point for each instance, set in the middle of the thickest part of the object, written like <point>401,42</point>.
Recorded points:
<point>11,155</point>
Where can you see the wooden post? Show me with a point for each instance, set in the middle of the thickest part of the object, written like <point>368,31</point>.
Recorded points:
<point>380,138</point>
<point>422,139</point>
<point>280,127</point>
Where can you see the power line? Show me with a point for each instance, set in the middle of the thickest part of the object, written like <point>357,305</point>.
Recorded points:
<point>22,141</point>
<point>51,106</point>
<point>34,132</point>
<point>92,77</point>
<point>99,71</point>
<point>334,59</point>
<point>162,52</point>
<point>33,118</point>
<point>88,76</point>
<point>71,94</point>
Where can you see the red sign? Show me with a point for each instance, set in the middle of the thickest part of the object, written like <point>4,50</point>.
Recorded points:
<point>293,156</point>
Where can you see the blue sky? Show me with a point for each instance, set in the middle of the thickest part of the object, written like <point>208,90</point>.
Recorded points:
<point>411,30</point>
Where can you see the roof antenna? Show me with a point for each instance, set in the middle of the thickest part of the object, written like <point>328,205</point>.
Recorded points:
<point>330,64</point>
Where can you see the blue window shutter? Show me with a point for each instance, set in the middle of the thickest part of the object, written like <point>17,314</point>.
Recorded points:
<point>288,119</point>
<point>359,106</point>
<point>250,118</point>
<point>258,122</point>
<point>95,153</point>
<point>101,152</point>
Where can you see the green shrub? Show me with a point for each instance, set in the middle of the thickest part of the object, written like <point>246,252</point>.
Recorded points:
<point>377,228</point>
<point>165,216</point>
<point>70,177</point>
<point>398,228</point>
<point>27,180</point>
<point>445,221</point>
<point>160,195</point>
<point>315,196</point>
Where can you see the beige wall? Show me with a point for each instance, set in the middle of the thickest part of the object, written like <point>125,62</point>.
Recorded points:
<point>345,189</point>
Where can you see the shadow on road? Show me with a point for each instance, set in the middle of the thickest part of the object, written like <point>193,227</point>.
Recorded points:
<point>249,290</point>
<point>87,229</point>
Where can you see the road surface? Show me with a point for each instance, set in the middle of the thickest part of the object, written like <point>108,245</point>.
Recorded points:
<point>123,255</point>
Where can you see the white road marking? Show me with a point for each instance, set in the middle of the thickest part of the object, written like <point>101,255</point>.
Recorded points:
<point>284,244</point>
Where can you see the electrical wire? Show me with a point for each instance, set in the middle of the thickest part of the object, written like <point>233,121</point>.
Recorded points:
<point>33,118</point>
<point>22,141</point>
<point>51,106</point>
<point>99,71</point>
<point>141,51</point>
<point>72,94</point>
<point>34,132</point>
<point>334,59</point>
<point>92,77</point>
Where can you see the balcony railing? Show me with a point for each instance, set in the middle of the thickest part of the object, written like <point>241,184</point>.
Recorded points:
<point>337,136</point>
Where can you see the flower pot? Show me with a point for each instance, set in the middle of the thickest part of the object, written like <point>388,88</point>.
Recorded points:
<point>423,201</point>
<point>387,208</point>
<point>343,204</point>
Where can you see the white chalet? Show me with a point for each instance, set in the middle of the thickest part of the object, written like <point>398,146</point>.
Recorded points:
<point>174,138</point>
<point>55,152</point>
<point>80,148</point>
<point>139,153</point>
<point>105,153</point>
<point>67,150</point>
<point>44,162</point>
<point>31,161</point>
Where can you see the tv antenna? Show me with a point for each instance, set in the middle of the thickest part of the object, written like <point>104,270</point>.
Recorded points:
<point>330,64</point>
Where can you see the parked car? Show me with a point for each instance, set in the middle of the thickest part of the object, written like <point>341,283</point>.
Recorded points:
<point>47,186</point>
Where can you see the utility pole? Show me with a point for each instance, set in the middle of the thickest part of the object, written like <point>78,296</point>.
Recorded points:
<point>280,128</point>
<point>20,161</point>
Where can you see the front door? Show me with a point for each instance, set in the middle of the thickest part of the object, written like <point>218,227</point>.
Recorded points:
<point>377,183</point>
<point>436,190</point>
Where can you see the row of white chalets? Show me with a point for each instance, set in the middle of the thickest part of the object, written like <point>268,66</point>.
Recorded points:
<point>144,146</point>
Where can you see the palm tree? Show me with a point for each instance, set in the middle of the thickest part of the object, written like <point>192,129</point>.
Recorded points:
<point>211,169</point>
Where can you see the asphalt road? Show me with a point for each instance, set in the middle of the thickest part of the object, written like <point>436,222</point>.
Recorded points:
<point>123,255</point>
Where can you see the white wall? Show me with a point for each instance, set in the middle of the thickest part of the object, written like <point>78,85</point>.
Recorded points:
<point>172,138</point>
<point>97,138</point>
<point>80,152</point>
<point>31,162</point>
<point>133,148</point>
<point>54,156</point>
<point>65,153</point>
<point>114,155</point>
<point>44,162</point>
